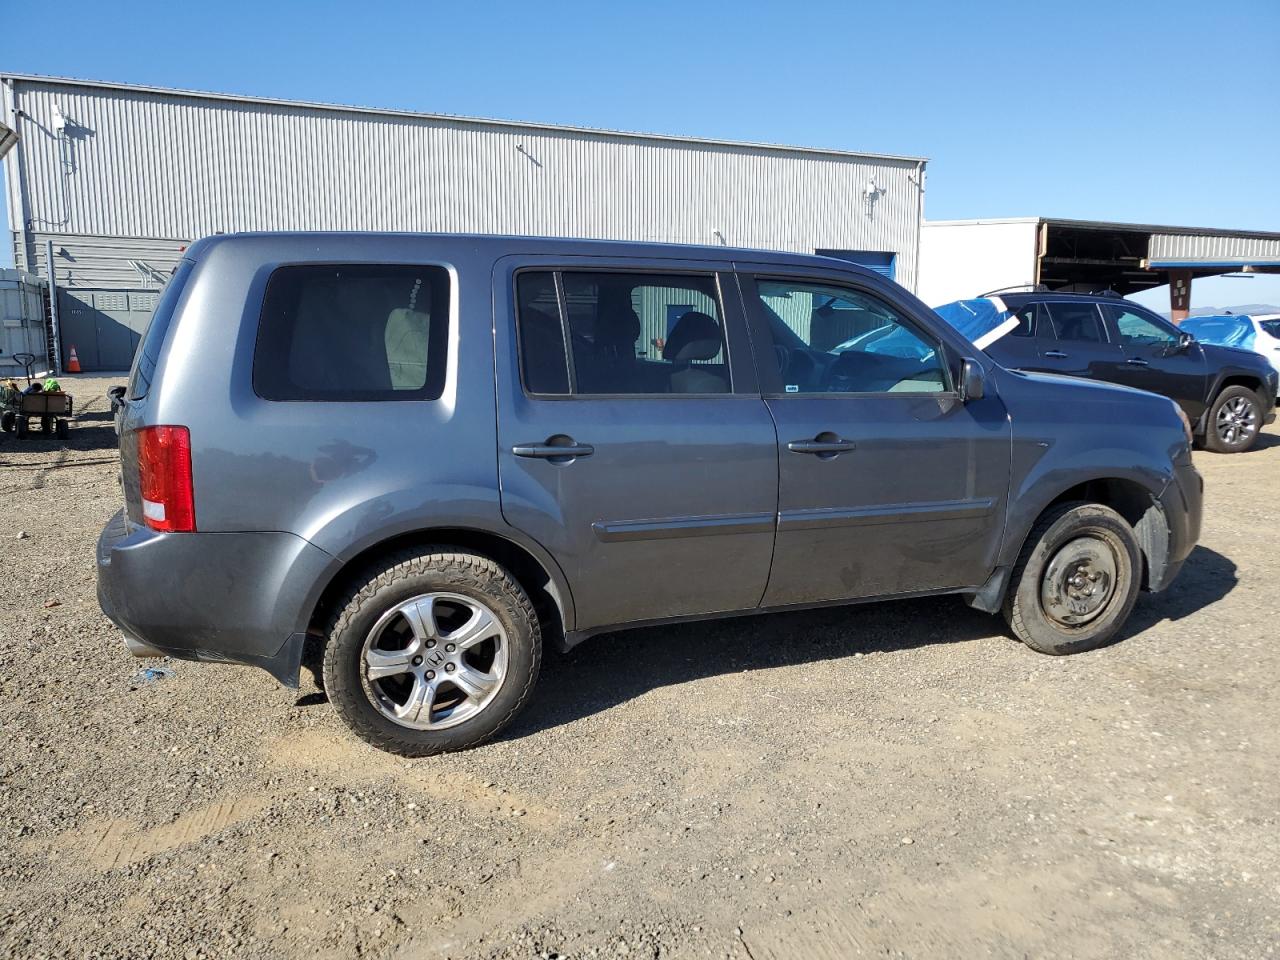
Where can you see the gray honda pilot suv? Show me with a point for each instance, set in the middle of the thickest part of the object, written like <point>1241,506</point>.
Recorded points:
<point>436,453</point>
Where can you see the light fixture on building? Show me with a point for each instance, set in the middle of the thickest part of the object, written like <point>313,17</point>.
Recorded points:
<point>870,194</point>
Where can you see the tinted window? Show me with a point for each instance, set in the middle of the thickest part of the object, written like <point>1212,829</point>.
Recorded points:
<point>1028,321</point>
<point>629,333</point>
<point>1270,327</point>
<point>829,339</point>
<point>353,332</point>
<point>542,358</point>
<point>1136,329</point>
<point>144,365</point>
<point>1076,321</point>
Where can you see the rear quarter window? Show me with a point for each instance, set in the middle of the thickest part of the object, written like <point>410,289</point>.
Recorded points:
<point>353,332</point>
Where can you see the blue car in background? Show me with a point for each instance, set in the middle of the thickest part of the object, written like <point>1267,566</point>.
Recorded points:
<point>1261,334</point>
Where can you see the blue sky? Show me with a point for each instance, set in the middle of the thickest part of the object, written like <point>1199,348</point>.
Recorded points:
<point>1145,112</point>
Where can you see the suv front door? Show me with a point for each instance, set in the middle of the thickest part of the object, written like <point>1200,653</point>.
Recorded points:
<point>662,503</point>
<point>1155,358</point>
<point>889,484</point>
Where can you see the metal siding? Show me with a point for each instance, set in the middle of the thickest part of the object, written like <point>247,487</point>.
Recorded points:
<point>149,164</point>
<point>1188,246</point>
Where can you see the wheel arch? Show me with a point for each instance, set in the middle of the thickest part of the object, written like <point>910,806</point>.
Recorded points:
<point>540,577</point>
<point>1135,501</point>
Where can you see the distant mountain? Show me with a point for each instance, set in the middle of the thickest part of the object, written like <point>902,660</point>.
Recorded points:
<point>1245,308</point>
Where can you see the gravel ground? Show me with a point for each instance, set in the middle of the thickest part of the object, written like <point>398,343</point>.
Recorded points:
<point>889,780</point>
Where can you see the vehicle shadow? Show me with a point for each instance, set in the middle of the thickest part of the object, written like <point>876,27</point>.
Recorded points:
<point>1206,578</point>
<point>613,668</point>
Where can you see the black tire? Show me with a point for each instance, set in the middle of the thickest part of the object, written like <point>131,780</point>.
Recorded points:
<point>1064,532</point>
<point>20,427</point>
<point>1216,435</point>
<point>7,421</point>
<point>400,578</point>
<point>63,430</point>
<point>46,425</point>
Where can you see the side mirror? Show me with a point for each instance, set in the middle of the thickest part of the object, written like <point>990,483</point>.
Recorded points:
<point>972,380</point>
<point>1185,340</point>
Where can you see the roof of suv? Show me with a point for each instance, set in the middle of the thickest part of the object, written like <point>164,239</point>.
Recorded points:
<point>1028,296</point>
<point>512,244</point>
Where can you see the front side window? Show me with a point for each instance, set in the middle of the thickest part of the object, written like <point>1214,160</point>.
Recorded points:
<point>1136,330</point>
<point>628,333</point>
<point>831,339</point>
<point>353,332</point>
<point>1076,321</point>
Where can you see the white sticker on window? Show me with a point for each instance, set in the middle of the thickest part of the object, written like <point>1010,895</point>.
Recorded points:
<point>793,388</point>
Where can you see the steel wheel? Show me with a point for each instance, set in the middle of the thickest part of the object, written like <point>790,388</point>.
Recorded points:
<point>1079,581</point>
<point>434,661</point>
<point>1237,421</point>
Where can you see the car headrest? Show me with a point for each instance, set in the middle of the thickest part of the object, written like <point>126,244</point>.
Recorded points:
<point>617,327</point>
<point>695,337</point>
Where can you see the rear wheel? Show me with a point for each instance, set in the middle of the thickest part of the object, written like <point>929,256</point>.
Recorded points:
<point>1076,580</point>
<point>432,651</point>
<point>20,426</point>
<point>63,430</point>
<point>1234,421</point>
<point>7,419</point>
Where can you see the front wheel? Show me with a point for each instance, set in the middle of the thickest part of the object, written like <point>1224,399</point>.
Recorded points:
<point>1234,421</point>
<point>432,651</point>
<point>1076,580</point>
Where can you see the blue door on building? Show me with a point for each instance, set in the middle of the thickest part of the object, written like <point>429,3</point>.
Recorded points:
<point>879,261</point>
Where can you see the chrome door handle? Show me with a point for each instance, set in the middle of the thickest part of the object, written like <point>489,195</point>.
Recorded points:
<point>1137,362</point>
<point>820,447</point>
<point>1056,354</point>
<point>553,451</point>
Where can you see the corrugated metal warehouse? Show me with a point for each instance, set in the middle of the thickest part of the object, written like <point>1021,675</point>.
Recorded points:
<point>118,179</point>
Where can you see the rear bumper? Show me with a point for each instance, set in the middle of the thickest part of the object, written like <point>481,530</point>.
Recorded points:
<point>1182,505</point>
<point>227,597</point>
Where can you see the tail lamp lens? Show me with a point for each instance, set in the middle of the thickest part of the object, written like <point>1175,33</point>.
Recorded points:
<point>164,473</point>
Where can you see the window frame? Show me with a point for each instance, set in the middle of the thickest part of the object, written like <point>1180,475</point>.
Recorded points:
<point>391,396</point>
<point>771,385</point>
<point>1112,323</point>
<point>559,268</point>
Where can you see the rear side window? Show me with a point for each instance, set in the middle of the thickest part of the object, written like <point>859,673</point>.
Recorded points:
<point>1076,321</point>
<point>353,332</point>
<point>628,333</point>
<point>1029,322</point>
<point>144,365</point>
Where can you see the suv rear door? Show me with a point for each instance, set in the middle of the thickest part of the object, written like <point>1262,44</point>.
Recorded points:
<point>663,503</point>
<point>1075,341</point>
<point>1155,358</point>
<point>888,483</point>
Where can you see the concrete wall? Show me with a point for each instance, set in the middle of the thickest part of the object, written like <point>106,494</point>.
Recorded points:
<point>961,259</point>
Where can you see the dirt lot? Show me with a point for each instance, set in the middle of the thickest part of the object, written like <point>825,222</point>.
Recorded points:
<point>892,780</point>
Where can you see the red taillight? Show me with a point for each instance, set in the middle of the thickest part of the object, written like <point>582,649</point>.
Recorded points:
<point>164,473</point>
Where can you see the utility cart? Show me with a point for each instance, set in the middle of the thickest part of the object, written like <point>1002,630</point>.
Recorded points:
<point>52,408</point>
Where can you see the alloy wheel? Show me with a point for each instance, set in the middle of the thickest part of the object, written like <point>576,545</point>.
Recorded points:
<point>434,661</point>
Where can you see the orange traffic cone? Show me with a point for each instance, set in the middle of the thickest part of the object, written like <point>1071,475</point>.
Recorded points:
<point>73,364</point>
